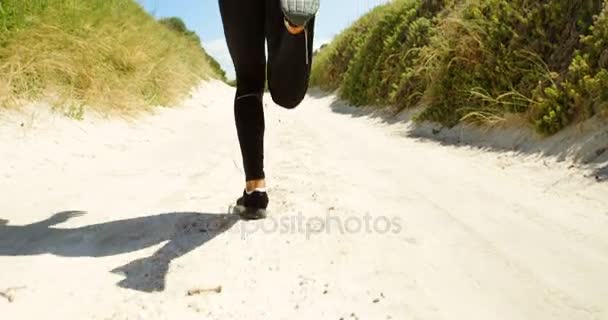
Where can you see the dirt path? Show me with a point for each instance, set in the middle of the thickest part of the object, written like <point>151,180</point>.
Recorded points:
<point>111,220</point>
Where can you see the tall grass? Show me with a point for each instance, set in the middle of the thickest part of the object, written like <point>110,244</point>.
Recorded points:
<point>177,24</point>
<point>477,60</point>
<point>106,54</point>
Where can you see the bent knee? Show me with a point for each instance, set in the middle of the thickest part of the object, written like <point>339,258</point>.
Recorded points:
<point>287,101</point>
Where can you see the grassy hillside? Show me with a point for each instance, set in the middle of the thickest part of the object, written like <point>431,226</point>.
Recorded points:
<point>481,61</point>
<point>107,54</point>
<point>176,24</point>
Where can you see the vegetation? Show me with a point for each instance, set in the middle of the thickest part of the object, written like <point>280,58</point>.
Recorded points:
<point>475,60</point>
<point>176,24</point>
<point>332,62</point>
<point>107,54</point>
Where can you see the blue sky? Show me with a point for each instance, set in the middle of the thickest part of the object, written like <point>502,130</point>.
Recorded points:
<point>203,17</point>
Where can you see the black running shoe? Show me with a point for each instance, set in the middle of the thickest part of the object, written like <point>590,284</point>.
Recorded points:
<point>252,206</point>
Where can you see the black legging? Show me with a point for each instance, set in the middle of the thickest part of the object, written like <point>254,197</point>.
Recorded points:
<point>247,24</point>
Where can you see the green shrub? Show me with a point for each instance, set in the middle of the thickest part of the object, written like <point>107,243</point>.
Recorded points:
<point>331,63</point>
<point>569,97</point>
<point>405,84</point>
<point>479,60</point>
<point>498,57</point>
<point>361,77</point>
<point>584,87</point>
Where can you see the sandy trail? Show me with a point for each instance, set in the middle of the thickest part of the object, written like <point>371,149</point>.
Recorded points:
<point>119,220</point>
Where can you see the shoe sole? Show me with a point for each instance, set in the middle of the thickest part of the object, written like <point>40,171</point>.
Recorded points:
<point>299,12</point>
<point>248,213</point>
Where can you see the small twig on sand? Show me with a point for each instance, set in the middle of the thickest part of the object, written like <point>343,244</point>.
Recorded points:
<point>9,293</point>
<point>193,292</point>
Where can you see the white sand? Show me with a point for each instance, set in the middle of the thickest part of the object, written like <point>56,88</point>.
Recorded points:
<point>473,234</point>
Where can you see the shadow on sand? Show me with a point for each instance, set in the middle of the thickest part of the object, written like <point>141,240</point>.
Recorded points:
<point>601,174</point>
<point>584,143</point>
<point>386,114</point>
<point>184,231</point>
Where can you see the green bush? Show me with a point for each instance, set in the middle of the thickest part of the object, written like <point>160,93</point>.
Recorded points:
<point>502,57</point>
<point>332,62</point>
<point>478,60</point>
<point>583,92</point>
<point>359,79</point>
<point>404,83</point>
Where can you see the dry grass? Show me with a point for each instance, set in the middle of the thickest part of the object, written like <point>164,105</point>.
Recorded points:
<point>107,55</point>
